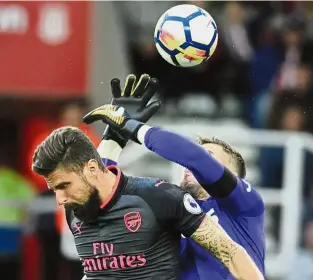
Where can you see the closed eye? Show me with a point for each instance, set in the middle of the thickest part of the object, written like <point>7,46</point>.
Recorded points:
<point>62,186</point>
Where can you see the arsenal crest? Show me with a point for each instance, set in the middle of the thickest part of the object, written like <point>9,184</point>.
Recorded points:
<point>132,221</point>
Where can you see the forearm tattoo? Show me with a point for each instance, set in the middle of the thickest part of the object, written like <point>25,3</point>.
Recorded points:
<point>212,237</point>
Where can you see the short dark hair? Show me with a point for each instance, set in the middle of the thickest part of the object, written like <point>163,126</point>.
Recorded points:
<point>240,163</point>
<point>67,148</point>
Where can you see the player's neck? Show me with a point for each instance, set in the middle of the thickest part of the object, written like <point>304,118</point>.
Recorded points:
<point>109,180</point>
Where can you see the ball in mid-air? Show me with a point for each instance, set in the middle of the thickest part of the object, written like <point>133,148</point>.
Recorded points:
<point>186,35</point>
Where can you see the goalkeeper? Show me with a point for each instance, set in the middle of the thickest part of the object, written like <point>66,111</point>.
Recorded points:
<point>214,176</point>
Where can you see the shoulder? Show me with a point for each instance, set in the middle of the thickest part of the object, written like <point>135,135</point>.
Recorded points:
<point>135,183</point>
<point>154,189</point>
<point>165,192</point>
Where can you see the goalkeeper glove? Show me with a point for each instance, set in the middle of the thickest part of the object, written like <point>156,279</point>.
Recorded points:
<point>134,98</point>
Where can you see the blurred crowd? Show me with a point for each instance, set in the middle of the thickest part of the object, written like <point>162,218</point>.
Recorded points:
<point>260,73</point>
<point>263,63</point>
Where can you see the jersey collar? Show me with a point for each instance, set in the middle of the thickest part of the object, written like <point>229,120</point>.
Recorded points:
<point>118,187</point>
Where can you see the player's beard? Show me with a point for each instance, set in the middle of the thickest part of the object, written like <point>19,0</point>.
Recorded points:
<point>90,209</point>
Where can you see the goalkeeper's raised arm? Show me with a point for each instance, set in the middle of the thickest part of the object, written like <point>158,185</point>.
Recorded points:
<point>220,182</point>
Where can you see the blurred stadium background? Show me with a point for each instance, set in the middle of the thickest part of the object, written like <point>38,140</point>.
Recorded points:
<point>56,61</point>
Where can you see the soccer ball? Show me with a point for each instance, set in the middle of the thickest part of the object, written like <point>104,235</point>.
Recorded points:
<point>186,35</point>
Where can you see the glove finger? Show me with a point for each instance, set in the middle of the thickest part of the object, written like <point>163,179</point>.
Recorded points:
<point>95,115</point>
<point>141,86</point>
<point>91,117</point>
<point>116,88</point>
<point>151,89</point>
<point>129,85</point>
<point>150,110</point>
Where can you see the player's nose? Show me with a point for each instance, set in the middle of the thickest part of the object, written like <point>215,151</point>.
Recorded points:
<point>60,197</point>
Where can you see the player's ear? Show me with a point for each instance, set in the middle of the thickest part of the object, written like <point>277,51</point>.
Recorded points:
<point>92,167</point>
